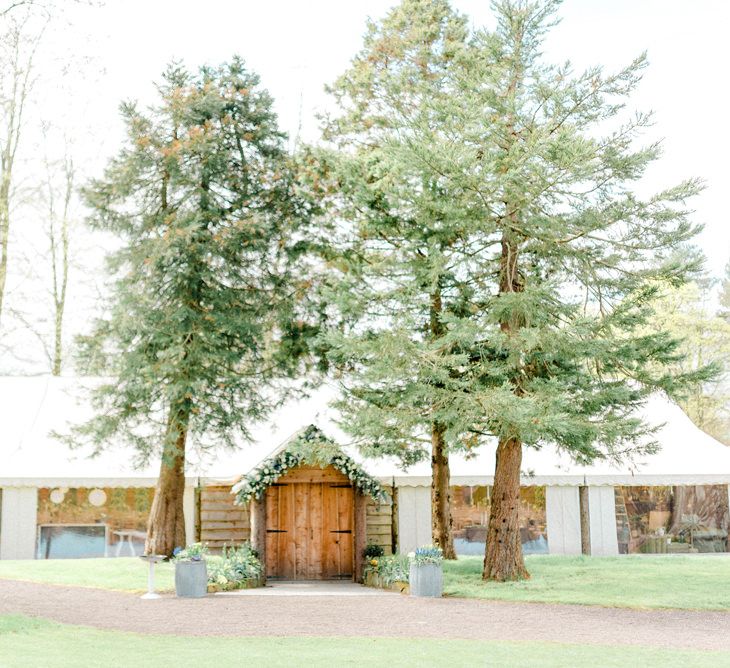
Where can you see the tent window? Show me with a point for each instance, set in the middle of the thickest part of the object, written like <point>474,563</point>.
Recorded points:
<point>470,510</point>
<point>71,542</point>
<point>71,513</point>
<point>679,519</point>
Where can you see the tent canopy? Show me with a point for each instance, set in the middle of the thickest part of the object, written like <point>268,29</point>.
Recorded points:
<point>33,407</point>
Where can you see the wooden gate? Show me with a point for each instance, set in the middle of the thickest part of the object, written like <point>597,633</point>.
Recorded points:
<point>309,525</point>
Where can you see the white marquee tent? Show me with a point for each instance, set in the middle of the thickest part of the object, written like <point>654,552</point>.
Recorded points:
<point>30,458</point>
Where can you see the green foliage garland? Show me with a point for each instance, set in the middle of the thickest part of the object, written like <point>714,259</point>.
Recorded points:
<point>310,447</point>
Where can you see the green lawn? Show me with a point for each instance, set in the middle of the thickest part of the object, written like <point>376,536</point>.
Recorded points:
<point>27,643</point>
<point>123,574</point>
<point>694,582</point>
<point>642,582</point>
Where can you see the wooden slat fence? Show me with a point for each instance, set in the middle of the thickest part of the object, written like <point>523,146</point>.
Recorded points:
<point>221,521</point>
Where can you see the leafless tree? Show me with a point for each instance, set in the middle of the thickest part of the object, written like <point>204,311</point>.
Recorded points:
<point>58,192</point>
<point>18,46</point>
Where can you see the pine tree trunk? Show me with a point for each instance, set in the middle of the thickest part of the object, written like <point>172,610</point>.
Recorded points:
<point>503,554</point>
<point>503,560</point>
<point>166,523</point>
<point>441,520</point>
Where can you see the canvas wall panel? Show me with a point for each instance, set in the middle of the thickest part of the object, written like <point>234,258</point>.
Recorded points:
<point>602,509</point>
<point>563,520</point>
<point>414,518</point>
<point>18,523</point>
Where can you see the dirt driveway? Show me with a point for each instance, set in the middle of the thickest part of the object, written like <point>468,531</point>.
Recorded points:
<point>389,615</point>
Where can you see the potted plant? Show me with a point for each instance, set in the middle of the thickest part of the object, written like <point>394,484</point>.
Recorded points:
<point>191,572</point>
<point>235,568</point>
<point>372,553</point>
<point>426,572</point>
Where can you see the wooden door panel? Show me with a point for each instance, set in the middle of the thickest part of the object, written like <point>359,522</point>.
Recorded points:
<point>330,552</point>
<point>345,508</point>
<point>287,540</point>
<point>315,522</point>
<point>300,538</point>
<point>309,530</point>
<point>272,526</point>
<point>279,539</point>
<point>339,527</point>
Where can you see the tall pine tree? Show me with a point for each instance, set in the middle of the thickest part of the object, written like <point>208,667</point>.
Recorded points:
<point>575,257</point>
<point>501,206</point>
<point>397,291</point>
<point>206,316</point>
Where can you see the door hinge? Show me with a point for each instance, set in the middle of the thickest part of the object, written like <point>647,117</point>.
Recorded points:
<point>276,531</point>
<point>340,530</point>
<point>341,486</point>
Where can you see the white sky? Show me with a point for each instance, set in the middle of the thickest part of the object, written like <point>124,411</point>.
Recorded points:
<point>297,46</point>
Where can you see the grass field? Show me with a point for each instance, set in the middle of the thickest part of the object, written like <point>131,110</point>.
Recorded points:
<point>123,574</point>
<point>31,643</point>
<point>694,582</point>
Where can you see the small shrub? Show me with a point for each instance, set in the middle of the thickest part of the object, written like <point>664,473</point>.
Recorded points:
<point>234,568</point>
<point>393,569</point>
<point>373,552</point>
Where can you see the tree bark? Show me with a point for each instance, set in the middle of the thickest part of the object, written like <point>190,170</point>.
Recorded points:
<point>441,519</point>
<point>503,558</point>
<point>504,561</point>
<point>166,523</point>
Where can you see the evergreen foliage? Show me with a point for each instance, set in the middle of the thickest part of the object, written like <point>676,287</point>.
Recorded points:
<point>395,289</point>
<point>497,264</point>
<point>211,284</point>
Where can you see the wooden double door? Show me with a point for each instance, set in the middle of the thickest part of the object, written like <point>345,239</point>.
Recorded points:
<point>309,526</point>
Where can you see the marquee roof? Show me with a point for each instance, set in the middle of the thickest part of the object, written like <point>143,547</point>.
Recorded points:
<point>32,407</point>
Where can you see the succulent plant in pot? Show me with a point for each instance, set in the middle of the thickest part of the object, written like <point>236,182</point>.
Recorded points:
<point>191,573</point>
<point>426,572</point>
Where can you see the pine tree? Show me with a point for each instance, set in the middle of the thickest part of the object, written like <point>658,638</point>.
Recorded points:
<point>550,158</point>
<point>396,291</point>
<point>507,188</point>
<point>211,288</point>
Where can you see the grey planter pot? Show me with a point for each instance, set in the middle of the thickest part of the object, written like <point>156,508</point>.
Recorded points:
<point>426,580</point>
<point>191,579</point>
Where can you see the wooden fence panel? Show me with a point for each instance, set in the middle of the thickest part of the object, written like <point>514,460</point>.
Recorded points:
<point>222,523</point>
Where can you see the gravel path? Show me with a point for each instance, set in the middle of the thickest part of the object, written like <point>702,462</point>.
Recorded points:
<point>390,615</point>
